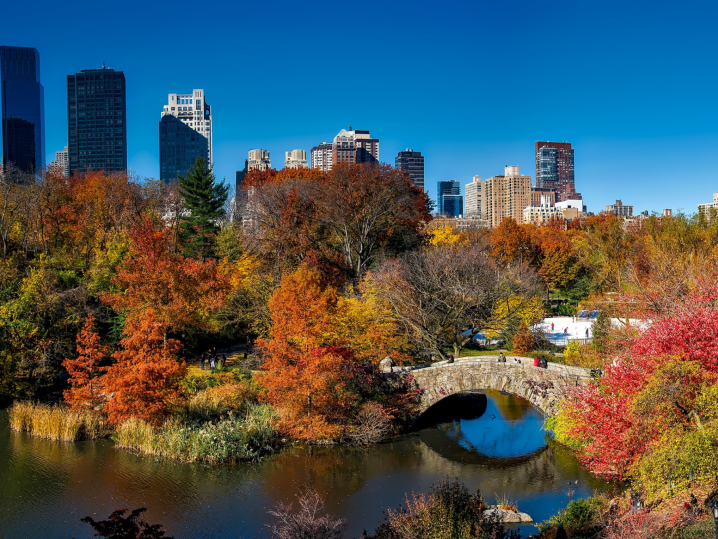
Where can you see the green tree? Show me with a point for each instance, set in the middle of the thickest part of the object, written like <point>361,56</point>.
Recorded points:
<point>204,200</point>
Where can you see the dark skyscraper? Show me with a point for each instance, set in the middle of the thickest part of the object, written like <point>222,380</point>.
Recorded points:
<point>450,201</point>
<point>23,108</point>
<point>555,169</point>
<point>97,121</point>
<point>180,145</point>
<point>413,163</point>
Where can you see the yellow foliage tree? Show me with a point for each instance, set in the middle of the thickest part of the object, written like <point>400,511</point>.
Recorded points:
<point>528,311</point>
<point>444,234</point>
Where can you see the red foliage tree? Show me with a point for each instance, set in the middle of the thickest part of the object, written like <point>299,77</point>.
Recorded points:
<point>86,382</point>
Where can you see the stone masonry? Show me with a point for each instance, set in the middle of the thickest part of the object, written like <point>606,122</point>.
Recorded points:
<point>543,388</point>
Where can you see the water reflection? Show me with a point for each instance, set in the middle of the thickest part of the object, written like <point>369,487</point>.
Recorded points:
<point>45,488</point>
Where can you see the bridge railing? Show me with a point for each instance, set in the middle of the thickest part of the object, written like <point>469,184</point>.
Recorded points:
<point>525,362</point>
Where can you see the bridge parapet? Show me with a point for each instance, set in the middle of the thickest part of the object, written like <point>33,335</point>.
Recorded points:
<point>543,388</point>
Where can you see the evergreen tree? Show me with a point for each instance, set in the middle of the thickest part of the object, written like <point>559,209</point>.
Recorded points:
<point>205,201</point>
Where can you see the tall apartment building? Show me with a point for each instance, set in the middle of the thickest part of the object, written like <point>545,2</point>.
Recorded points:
<point>619,209</point>
<point>450,203</point>
<point>295,159</point>
<point>472,197</point>
<point>185,134</point>
<point>537,214</point>
<point>321,156</point>
<point>23,108</point>
<point>555,169</point>
<point>97,120</point>
<point>709,209</point>
<point>259,160</point>
<point>413,163</point>
<point>355,147</point>
<point>61,164</point>
<point>506,197</point>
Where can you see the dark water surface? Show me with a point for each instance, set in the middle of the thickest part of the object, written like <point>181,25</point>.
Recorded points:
<point>494,443</point>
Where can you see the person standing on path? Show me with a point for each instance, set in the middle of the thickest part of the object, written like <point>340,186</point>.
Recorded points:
<point>211,363</point>
<point>201,361</point>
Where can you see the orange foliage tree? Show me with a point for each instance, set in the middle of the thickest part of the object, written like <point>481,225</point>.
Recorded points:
<point>305,377</point>
<point>145,381</point>
<point>86,382</point>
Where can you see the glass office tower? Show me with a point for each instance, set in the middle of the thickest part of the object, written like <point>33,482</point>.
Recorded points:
<point>23,108</point>
<point>413,163</point>
<point>97,121</point>
<point>449,198</point>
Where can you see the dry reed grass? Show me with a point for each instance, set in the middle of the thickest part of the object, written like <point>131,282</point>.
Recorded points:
<point>54,422</point>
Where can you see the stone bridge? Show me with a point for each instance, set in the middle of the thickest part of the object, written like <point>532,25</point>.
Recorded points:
<point>543,388</point>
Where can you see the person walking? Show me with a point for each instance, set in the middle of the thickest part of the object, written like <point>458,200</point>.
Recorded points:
<point>201,361</point>
<point>551,326</point>
<point>211,364</point>
<point>587,333</point>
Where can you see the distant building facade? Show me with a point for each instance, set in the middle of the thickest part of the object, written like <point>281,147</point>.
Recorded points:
<point>295,159</point>
<point>571,209</point>
<point>506,197</point>
<point>61,164</point>
<point>450,202</point>
<point>97,120</point>
<point>321,156</point>
<point>413,163</point>
<point>185,134</point>
<point>619,209</point>
<point>538,214</point>
<point>259,160</point>
<point>23,108</point>
<point>555,169</point>
<point>473,197</point>
<point>709,209</point>
<point>538,193</point>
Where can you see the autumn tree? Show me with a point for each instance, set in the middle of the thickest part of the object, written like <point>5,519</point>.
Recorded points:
<point>86,384</point>
<point>204,202</point>
<point>443,296</point>
<point>144,382</point>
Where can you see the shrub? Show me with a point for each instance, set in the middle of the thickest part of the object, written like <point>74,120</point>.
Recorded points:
<point>371,424</point>
<point>579,355</point>
<point>582,518</point>
<point>246,437</point>
<point>449,511</point>
<point>56,422</point>
<point>119,526</point>
<point>307,521</point>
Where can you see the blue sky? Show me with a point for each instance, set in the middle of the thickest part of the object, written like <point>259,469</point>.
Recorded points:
<point>472,85</point>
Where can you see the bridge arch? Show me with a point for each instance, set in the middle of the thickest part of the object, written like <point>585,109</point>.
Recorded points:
<point>543,388</point>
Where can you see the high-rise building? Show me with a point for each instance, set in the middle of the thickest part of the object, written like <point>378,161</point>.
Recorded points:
<point>355,147</point>
<point>61,163</point>
<point>555,169</point>
<point>450,203</point>
<point>295,159</point>
<point>472,198</point>
<point>619,209</point>
<point>540,213</point>
<point>413,163</point>
<point>321,156</point>
<point>259,160</point>
<point>23,108</point>
<point>185,134</point>
<point>97,120</point>
<point>506,197</point>
<point>538,194</point>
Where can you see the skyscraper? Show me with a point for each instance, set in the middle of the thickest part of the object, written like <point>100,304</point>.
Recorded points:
<point>413,163</point>
<point>472,198</point>
<point>450,201</point>
<point>555,169</point>
<point>321,156</point>
<point>295,159</point>
<point>506,196</point>
<point>97,120</point>
<point>23,108</point>
<point>355,147</point>
<point>185,134</point>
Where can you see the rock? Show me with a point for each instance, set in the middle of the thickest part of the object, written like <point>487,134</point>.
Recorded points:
<point>506,516</point>
<point>386,364</point>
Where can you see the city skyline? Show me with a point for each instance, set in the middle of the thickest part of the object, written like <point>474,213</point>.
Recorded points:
<point>634,124</point>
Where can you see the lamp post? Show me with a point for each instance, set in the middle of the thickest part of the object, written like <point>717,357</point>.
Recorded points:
<point>714,508</point>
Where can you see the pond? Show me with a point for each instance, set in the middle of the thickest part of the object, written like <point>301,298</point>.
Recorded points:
<point>489,441</point>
